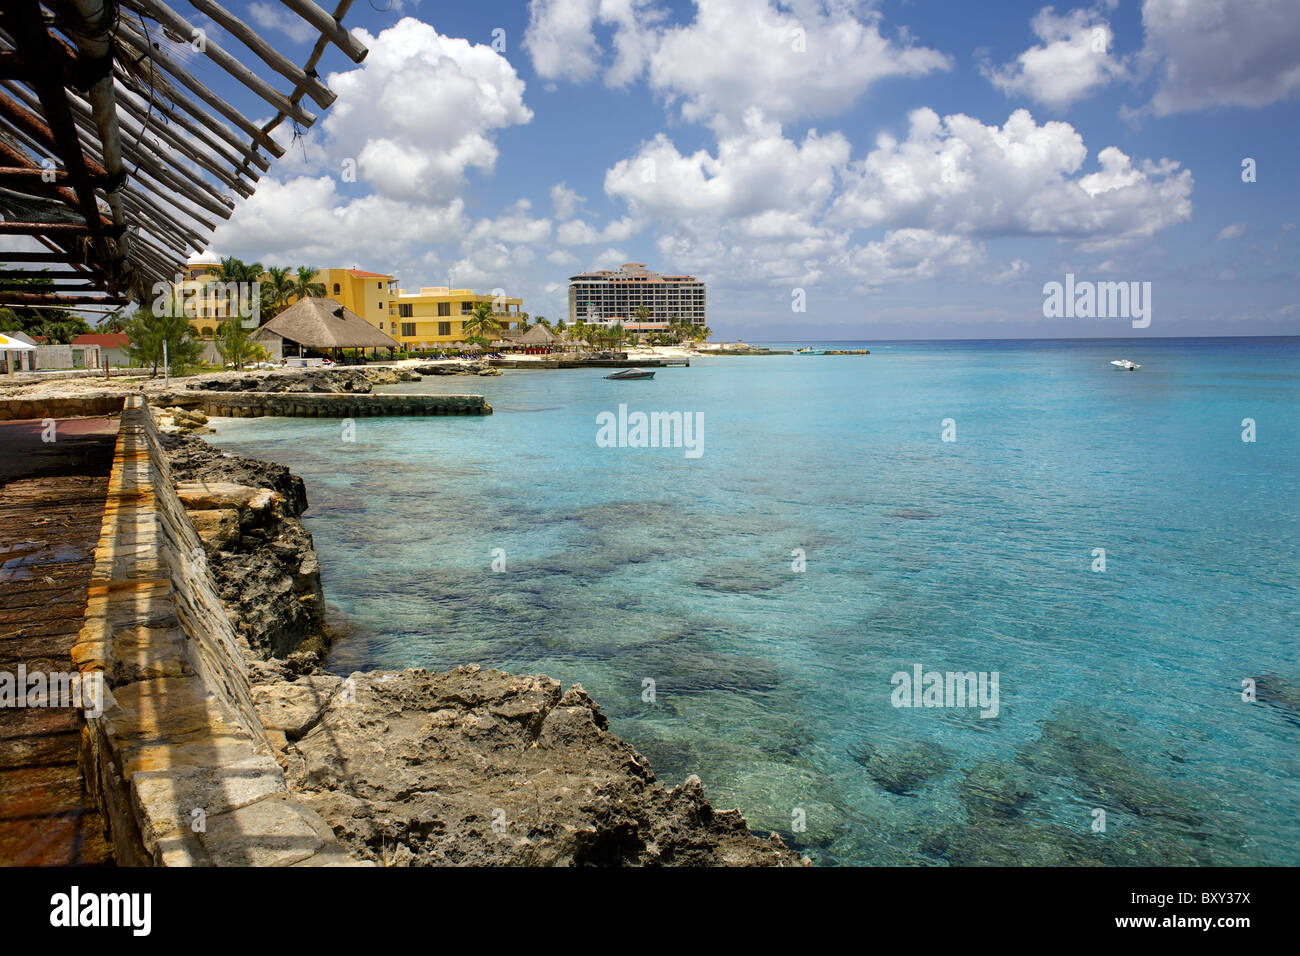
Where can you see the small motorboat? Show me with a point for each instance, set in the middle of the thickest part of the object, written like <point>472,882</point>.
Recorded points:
<point>1126,365</point>
<point>809,351</point>
<point>631,373</point>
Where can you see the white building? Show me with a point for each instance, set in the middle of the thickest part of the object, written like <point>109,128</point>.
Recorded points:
<point>606,297</point>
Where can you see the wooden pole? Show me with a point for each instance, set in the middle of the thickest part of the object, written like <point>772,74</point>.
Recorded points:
<point>141,45</point>
<point>311,85</point>
<point>329,26</point>
<point>173,20</point>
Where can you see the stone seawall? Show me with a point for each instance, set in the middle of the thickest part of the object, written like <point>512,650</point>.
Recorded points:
<point>321,405</point>
<point>79,406</point>
<point>179,760</point>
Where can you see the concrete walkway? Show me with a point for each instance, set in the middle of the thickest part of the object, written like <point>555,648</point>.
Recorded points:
<point>51,507</point>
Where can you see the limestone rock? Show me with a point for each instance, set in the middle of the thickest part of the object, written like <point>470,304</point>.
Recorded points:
<point>217,527</point>
<point>476,766</point>
<point>294,708</point>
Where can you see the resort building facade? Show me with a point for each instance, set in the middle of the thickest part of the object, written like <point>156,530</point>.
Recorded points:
<point>436,315</point>
<point>432,317</point>
<point>605,297</point>
<point>368,294</point>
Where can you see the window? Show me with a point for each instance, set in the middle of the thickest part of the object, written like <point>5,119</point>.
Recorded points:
<point>444,328</point>
<point>404,310</point>
<point>444,308</point>
<point>381,285</point>
<point>336,288</point>
<point>408,330</point>
<point>381,305</point>
<point>466,308</point>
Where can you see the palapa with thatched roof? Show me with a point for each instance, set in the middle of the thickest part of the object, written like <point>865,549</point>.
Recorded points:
<point>539,335</point>
<point>321,324</point>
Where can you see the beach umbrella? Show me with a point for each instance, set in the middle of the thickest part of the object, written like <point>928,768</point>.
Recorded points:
<point>10,344</point>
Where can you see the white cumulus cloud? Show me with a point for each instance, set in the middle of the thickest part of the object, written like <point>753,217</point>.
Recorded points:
<point>955,174</point>
<point>421,110</point>
<point>804,58</point>
<point>1075,57</point>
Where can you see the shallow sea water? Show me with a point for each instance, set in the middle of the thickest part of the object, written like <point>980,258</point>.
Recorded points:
<point>1119,691</point>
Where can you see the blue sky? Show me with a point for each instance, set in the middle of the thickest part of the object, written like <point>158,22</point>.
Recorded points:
<point>918,170</point>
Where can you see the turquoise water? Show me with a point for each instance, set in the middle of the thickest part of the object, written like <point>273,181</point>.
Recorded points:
<point>1119,691</point>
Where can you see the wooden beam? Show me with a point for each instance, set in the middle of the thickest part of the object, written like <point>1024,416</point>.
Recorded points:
<point>9,274</point>
<point>50,256</point>
<point>136,128</point>
<point>330,27</point>
<point>9,227</point>
<point>34,298</point>
<point>213,51</point>
<point>26,20</point>
<point>140,44</point>
<point>310,84</point>
<point>209,130</point>
<point>58,288</point>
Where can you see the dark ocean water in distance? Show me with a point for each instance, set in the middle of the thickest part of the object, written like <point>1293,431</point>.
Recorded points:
<point>1119,691</point>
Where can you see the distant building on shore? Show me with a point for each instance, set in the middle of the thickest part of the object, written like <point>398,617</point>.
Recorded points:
<point>606,297</point>
<point>368,294</point>
<point>436,315</point>
<point>432,317</point>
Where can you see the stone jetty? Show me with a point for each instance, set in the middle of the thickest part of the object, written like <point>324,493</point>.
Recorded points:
<point>320,404</point>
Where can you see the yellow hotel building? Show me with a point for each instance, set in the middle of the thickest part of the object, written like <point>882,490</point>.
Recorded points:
<point>433,317</point>
<point>368,294</point>
<point>436,315</point>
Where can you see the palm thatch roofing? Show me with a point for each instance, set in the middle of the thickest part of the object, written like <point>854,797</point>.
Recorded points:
<point>324,324</point>
<point>117,155</point>
<point>538,335</point>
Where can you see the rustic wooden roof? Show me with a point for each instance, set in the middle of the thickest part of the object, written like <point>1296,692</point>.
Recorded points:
<point>324,324</point>
<point>114,156</point>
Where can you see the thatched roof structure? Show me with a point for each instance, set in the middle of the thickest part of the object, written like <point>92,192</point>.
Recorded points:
<point>116,157</point>
<point>321,323</point>
<point>538,335</point>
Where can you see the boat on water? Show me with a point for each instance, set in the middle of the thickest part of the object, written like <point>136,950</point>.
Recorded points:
<point>631,373</point>
<point>809,351</point>
<point>1126,365</point>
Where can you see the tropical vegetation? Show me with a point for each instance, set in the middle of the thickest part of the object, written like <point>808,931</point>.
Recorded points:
<point>154,336</point>
<point>481,324</point>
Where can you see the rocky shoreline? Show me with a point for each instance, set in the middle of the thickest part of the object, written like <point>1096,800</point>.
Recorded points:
<point>468,767</point>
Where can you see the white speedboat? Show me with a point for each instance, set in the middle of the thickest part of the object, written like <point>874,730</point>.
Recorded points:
<point>1126,365</point>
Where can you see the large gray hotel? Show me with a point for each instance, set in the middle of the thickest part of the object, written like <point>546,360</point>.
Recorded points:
<point>607,297</point>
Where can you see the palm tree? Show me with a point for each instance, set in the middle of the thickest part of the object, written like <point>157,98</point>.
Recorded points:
<point>236,270</point>
<point>233,343</point>
<point>148,333</point>
<point>61,331</point>
<point>247,280</point>
<point>280,287</point>
<point>306,286</point>
<point>481,322</point>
